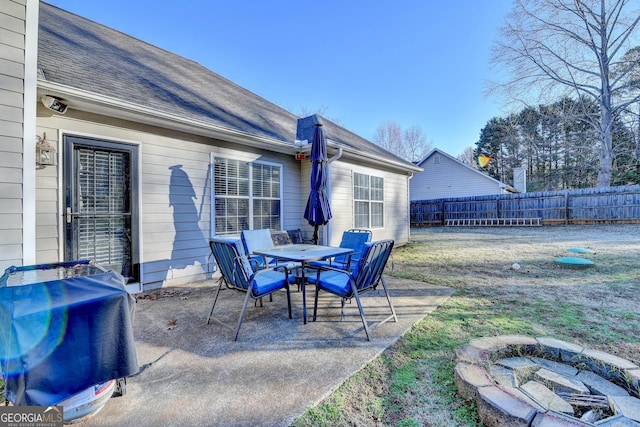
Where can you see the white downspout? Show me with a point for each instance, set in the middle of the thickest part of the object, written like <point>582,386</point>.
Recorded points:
<point>327,230</point>
<point>409,206</point>
<point>29,134</point>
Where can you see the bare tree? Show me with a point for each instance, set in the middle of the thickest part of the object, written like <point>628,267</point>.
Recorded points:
<point>389,136</point>
<point>468,157</point>
<point>410,144</point>
<point>569,48</point>
<point>416,144</point>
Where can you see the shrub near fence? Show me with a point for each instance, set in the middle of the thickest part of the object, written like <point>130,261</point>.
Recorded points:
<point>589,205</point>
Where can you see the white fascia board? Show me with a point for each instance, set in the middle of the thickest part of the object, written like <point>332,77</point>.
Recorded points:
<point>100,104</point>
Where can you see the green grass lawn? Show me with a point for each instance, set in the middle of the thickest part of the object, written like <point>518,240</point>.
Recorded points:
<point>411,384</point>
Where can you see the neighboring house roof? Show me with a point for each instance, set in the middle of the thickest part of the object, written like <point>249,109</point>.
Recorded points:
<point>501,184</point>
<point>102,70</point>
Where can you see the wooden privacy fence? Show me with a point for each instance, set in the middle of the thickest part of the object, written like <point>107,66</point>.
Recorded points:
<point>590,205</point>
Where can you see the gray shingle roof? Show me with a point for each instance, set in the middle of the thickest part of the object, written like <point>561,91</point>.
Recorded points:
<point>82,54</point>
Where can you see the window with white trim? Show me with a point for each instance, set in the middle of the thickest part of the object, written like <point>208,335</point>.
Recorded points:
<point>368,195</point>
<point>246,196</point>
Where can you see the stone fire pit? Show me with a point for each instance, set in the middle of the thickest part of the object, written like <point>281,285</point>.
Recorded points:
<point>544,382</point>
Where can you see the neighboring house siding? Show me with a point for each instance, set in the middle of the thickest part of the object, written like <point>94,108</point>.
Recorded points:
<point>12,74</point>
<point>446,178</point>
<point>175,214</point>
<point>396,209</point>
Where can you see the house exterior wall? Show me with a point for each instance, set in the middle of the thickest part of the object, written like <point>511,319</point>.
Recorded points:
<point>18,47</point>
<point>396,206</point>
<point>174,244</point>
<point>443,177</point>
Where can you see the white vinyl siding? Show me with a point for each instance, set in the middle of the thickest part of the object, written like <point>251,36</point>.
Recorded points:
<point>444,177</point>
<point>395,214</point>
<point>48,240</point>
<point>12,78</point>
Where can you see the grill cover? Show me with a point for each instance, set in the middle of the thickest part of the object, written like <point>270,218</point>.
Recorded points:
<point>64,327</point>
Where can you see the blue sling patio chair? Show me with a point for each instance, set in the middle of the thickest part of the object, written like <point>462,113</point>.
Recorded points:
<point>258,239</point>
<point>237,274</point>
<point>297,237</point>
<point>355,239</point>
<point>365,276</point>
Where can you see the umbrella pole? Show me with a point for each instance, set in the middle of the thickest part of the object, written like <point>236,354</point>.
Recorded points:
<point>315,234</point>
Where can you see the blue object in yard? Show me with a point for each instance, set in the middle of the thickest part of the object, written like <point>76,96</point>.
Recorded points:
<point>64,327</point>
<point>580,250</point>
<point>318,209</point>
<point>574,262</point>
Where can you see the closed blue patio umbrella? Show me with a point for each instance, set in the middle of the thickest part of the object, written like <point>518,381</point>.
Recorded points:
<point>318,210</point>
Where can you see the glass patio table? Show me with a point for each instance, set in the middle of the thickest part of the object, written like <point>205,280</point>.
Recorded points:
<point>304,254</point>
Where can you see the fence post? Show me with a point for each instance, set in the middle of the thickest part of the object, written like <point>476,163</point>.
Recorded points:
<point>566,208</point>
<point>498,207</point>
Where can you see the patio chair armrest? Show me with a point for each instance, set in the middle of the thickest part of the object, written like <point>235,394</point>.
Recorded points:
<point>254,263</point>
<point>254,258</point>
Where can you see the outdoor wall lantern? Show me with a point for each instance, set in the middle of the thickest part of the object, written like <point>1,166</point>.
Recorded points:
<point>45,153</point>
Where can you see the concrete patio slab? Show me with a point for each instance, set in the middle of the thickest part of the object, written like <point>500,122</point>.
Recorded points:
<point>195,374</point>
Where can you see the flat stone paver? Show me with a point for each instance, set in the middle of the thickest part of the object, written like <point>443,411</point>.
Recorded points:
<point>617,421</point>
<point>469,353</point>
<point>626,406</point>
<point>559,350</point>
<point>599,385</point>
<point>557,367</point>
<point>552,419</point>
<point>546,398</point>
<point>558,383</point>
<point>504,341</point>
<point>497,408</point>
<point>503,376</point>
<point>605,364</point>
<point>523,367</point>
<point>469,378</point>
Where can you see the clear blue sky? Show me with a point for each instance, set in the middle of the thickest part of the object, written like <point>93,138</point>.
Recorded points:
<point>415,62</point>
